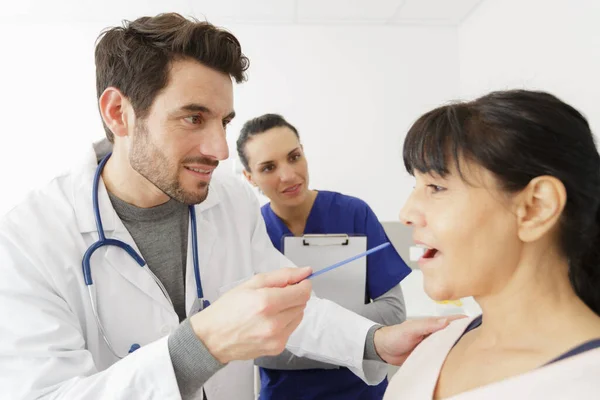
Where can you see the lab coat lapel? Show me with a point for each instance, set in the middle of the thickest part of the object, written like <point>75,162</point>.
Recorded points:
<point>128,268</point>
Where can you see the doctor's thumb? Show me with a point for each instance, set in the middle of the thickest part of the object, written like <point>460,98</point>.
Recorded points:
<point>432,325</point>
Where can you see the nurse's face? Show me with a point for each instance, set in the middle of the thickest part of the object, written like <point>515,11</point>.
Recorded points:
<point>278,166</point>
<point>180,143</point>
<point>470,230</point>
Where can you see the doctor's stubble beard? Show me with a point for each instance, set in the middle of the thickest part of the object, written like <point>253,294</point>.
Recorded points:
<point>147,160</point>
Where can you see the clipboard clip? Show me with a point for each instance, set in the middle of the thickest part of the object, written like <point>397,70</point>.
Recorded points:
<point>345,239</point>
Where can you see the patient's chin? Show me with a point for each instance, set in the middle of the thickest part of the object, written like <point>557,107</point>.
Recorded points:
<point>438,291</point>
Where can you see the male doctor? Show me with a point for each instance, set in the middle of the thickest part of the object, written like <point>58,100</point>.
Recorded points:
<point>140,331</point>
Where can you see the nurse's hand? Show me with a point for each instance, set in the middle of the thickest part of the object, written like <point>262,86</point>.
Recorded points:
<point>395,343</point>
<point>256,318</point>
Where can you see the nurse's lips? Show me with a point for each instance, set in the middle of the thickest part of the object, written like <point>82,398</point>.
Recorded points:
<point>292,189</point>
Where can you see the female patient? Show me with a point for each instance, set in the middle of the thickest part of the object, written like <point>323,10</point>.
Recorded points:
<point>273,158</point>
<point>507,203</point>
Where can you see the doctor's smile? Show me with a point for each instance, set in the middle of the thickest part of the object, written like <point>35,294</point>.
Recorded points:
<point>203,171</point>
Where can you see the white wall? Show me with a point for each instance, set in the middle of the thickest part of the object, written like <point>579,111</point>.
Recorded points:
<point>48,103</point>
<point>351,91</point>
<point>552,45</point>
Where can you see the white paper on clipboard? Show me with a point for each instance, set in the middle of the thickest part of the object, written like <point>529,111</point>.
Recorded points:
<point>345,285</point>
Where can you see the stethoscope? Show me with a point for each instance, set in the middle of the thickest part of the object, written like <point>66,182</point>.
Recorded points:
<point>199,303</point>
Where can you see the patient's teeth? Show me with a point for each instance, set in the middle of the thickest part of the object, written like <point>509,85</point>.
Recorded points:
<point>416,252</point>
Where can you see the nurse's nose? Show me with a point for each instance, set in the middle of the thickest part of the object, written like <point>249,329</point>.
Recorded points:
<point>286,173</point>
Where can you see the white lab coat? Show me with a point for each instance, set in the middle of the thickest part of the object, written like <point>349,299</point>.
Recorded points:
<point>50,345</point>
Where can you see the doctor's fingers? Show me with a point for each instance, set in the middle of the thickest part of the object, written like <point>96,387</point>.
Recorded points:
<point>275,300</point>
<point>421,328</point>
<point>279,278</point>
<point>280,327</point>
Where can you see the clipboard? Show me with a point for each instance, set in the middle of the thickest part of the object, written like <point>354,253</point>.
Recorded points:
<point>345,286</point>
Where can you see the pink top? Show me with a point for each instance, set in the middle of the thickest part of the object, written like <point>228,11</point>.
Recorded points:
<point>576,377</point>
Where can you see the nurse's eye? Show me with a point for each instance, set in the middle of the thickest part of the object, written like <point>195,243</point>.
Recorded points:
<point>267,168</point>
<point>435,188</point>
<point>194,119</point>
<point>295,157</point>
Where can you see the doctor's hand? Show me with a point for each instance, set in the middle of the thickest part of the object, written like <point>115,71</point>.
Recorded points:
<point>395,343</point>
<point>256,318</point>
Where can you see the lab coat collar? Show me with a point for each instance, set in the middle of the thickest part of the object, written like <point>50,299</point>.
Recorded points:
<point>83,178</point>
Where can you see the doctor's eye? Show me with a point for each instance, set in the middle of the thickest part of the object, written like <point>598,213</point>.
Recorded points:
<point>267,168</point>
<point>194,119</point>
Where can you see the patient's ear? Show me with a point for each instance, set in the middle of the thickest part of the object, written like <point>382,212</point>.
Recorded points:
<point>539,207</point>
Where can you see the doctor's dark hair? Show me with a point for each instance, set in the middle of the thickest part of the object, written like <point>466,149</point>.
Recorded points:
<point>256,126</point>
<point>136,57</point>
<point>519,135</point>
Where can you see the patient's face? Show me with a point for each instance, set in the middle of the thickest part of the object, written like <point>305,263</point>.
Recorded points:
<point>470,230</point>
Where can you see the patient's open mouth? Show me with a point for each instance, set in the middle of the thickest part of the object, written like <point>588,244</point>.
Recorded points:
<point>430,253</point>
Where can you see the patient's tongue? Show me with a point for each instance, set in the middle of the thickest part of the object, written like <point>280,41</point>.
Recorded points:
<point>430,253</point>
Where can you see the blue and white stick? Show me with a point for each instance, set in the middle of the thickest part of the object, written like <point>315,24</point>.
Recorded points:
<point>339,264</point>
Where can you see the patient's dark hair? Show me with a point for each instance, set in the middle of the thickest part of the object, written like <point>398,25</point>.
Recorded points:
<point>519,135</point>
<point>136,57</point>
<point>257,126</point>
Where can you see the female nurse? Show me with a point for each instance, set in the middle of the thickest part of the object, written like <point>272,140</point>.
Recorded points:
<point>270,150</point>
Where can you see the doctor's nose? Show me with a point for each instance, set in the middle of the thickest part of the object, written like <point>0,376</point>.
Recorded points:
<point>214,143</point>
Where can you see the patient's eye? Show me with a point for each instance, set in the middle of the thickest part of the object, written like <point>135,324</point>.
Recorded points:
<point>436,188</point>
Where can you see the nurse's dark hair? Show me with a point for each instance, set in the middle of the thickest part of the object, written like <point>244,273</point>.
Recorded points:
<point>136,57</point>
<point>256,126</point>
<point>519,135</point>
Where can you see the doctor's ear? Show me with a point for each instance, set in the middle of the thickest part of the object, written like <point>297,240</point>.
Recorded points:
<point>248,176</point>
<point>115,110</point>
<point>539,207</point>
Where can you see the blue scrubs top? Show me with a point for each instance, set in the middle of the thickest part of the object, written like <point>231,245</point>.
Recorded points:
<point>335,213</point>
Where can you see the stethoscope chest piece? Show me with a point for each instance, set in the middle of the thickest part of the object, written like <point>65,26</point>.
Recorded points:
<point>198,305</point>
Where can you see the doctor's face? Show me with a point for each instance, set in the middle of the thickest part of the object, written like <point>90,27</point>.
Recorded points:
<point>469,229</point>
<point>278,166</point>
<point>180,143</point>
